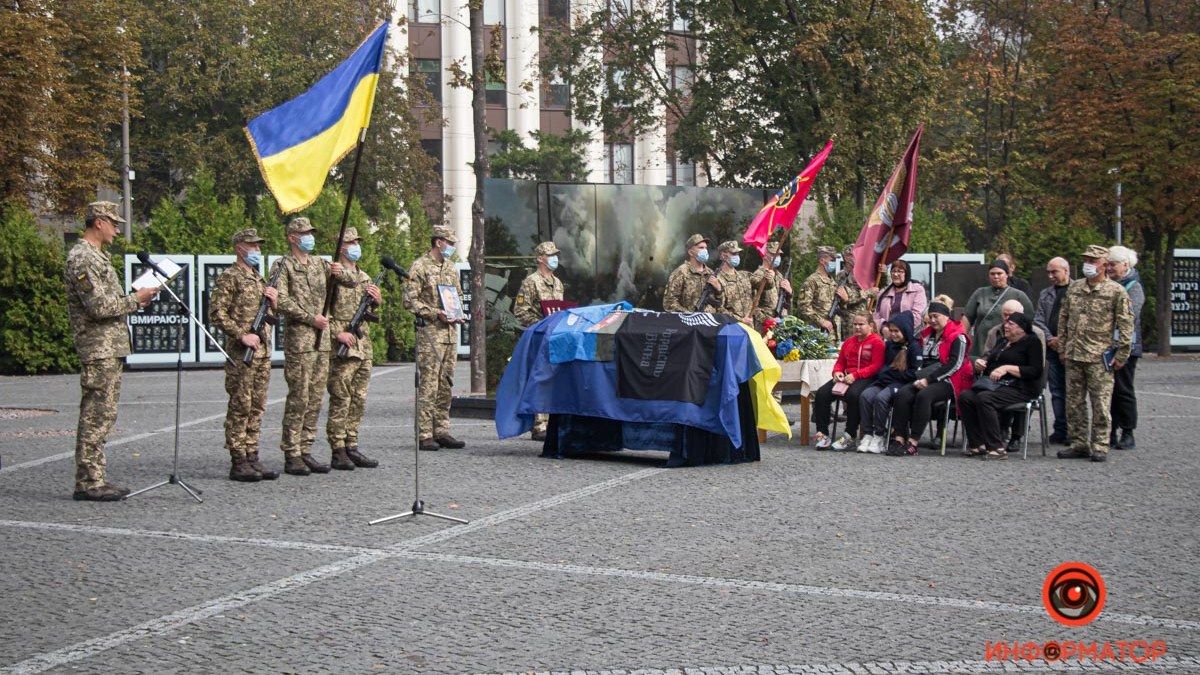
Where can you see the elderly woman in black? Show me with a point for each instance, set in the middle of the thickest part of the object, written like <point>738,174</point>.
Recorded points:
<point>1011,375</point>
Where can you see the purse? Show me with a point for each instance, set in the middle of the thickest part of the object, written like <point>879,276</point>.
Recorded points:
<point>984,383</point>
<point>839,388</point>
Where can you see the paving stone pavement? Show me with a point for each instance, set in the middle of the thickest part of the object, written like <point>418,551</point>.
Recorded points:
<point>804,563</point>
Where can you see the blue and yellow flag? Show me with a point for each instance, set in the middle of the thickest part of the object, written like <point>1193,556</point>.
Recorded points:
<point>298,142</point>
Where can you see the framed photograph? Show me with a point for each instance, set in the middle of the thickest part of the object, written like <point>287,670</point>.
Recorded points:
<point>451,303</point>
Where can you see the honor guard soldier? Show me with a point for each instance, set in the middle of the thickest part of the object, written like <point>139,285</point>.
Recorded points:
<point>302,278</point>
<point>233,306</point>
<point>685,286</point>
<point>96,306</point>
<point>436,350</point>
<point>736,297</point>
<point>851,298</point>
<point>1095,332</point>
<point>775,282</point>
<point>817,292</point>
<point>540,285</point>
<point>349,376</point>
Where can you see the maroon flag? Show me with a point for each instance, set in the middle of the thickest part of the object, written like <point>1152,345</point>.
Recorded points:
<point>884,237</point>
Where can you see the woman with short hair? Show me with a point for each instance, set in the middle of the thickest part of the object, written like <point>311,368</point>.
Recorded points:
<point>1010,375</point>
<point>903,294</point>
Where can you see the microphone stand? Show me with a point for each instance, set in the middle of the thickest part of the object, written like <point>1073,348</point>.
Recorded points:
<point>173,478</point>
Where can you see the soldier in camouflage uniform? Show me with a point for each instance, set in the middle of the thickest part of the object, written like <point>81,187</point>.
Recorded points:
<point>97,305</point>
<point>736,298</point>
<point>302,281</point>
<point>816,293</point>
<point>851,297</point>
<point>349,377</point>
<point>769,270</point>
<point>436,351</point>
<point>1093,311</point>
<point>538,286</point>
<point>685,286</point>
<point>232,307</point>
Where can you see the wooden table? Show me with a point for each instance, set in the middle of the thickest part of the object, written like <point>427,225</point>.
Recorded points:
<point>805,377</point>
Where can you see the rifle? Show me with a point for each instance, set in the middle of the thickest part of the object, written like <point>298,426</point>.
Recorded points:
<point>837,302</point>
<point>785,298</point>
<point>364,312</point>
<point>706,294</point>
<point>263,316</point>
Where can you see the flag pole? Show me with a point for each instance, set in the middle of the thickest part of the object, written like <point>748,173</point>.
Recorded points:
<point>331,288</point>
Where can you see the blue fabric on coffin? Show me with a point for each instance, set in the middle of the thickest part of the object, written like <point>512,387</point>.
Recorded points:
<point>532,384</point>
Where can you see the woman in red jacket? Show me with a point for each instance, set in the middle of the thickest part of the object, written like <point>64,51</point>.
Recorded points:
<point>859,360</point>
<point>946,374</point>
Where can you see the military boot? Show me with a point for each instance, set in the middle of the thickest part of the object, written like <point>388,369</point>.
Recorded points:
<point>295,466</point>
<point>448,441</point>
<point>240,470</point>
<point>340,461</point>
<point>100,493</point>
<point>263,471</point>
<point>313,465</point>
<point>360,460</point>
<point>428,444</point>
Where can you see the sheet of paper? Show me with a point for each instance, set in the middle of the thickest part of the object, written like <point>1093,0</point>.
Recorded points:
<point>150,279</point>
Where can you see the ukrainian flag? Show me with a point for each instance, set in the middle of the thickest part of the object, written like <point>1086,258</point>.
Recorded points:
<point>298,142</point>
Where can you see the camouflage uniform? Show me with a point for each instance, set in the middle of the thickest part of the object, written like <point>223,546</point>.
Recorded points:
<point>436,349</point>
<point>306,364</point>
<point>856,298</point>
<point>736,294</point>
<point>96,305</point>
<point>232,307</point>
<point>1086,323</point>
<point>536,288</point>
<point>769,297</point>
<point>815,297</point>
<point>348,377</point>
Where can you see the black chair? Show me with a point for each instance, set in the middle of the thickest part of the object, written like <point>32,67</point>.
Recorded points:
<point>1038,404</point>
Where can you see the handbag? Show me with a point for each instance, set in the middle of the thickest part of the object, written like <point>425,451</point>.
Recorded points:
<point>840,388</point>
<point>984,383</point>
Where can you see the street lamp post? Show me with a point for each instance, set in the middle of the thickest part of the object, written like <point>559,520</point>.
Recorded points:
<point>126,171</point>
<point>1116,170</point>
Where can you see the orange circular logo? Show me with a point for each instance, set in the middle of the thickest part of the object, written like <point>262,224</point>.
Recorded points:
<point>1073,593</point>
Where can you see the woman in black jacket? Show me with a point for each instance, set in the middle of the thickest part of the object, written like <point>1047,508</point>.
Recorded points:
<point>901,360</point>
<point>1014,372</point>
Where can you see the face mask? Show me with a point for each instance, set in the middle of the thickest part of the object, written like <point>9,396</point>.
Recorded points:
<point>254,258</point>
<point>702,256</point>
<point>734,261</point>
<point>1090,270</point>
<point>552,262</point>
<point>308,243</point>
<point>353,252</point>
<point>447,251</point>
<point>829,267</point>
<point>776,261</point>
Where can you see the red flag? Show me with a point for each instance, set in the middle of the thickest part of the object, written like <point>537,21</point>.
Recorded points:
<point>890,219</point>
<point>779,213</point>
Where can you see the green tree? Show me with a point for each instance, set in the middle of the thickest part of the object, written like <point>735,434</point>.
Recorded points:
<point>552,157</point>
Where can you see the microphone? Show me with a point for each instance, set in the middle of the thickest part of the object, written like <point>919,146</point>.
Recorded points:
<point>391,265</point>
<point>144,258</point>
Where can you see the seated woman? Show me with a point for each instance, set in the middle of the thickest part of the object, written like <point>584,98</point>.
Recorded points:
<point>947,374</point>
<point>1015,371</point>
<point>902,355</point>
<point>859,360</point>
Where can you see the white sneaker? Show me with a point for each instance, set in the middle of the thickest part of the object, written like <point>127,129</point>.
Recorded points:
<point>878,445</point>
<point>821,442</point>
<point>844,442</point>
<point>867,442</point>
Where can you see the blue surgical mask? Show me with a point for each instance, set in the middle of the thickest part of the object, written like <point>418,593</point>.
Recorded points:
<point>254,259</point>
<point>735,260</point>
<point>702,256</point>
<point>307,243</point>
<point>776,262</point>
<point>447,251</point>
<point>829,267</point>
<point>353,252</point>
<point>552,262</point>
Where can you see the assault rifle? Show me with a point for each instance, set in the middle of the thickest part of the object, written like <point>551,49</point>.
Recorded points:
<point>263,316</point>
<point>365,312</point>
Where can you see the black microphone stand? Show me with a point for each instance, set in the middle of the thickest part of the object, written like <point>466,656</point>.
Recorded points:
<point>173,478</point>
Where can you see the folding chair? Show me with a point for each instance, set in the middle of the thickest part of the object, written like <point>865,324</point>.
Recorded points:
<point>1035,404</point>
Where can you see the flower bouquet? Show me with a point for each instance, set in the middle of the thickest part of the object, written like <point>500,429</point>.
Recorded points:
<point>791,339</point>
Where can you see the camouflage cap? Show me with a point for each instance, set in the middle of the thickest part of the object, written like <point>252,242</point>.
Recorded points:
<point>248,235</point>
<point>442,232</point>
<point>546,248</point>
<point>848,250</point>
<point>696,239</point>
<point>729,247</point>
<point>107,210</point>
<point>774,247</point>
<point>1095,251</point>
<point>351,235</point>
<point>826,251</point>
<point>298,225</point>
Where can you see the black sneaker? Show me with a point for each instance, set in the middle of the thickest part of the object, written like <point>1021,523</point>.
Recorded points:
<point>1058,439</point>
<point>1126,441</point>
<point>1014,445</point>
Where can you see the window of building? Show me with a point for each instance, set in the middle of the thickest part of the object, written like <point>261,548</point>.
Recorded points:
<point>433,148</point>
<point>620,8</point>
<point>493,12</point>
<point>556,93</point>
<point>683,173</point>
<point>618,163</point>
<point>679,22</point>
<point>494,93</point>
<point>616,86</point>
<point>558,10</point>
<point>424,11</point>
<point>682,78</point>
<point>430,71</point>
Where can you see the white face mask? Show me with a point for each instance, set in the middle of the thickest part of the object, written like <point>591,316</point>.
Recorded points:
<point>776,261</point>
<point>1090,270</point>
